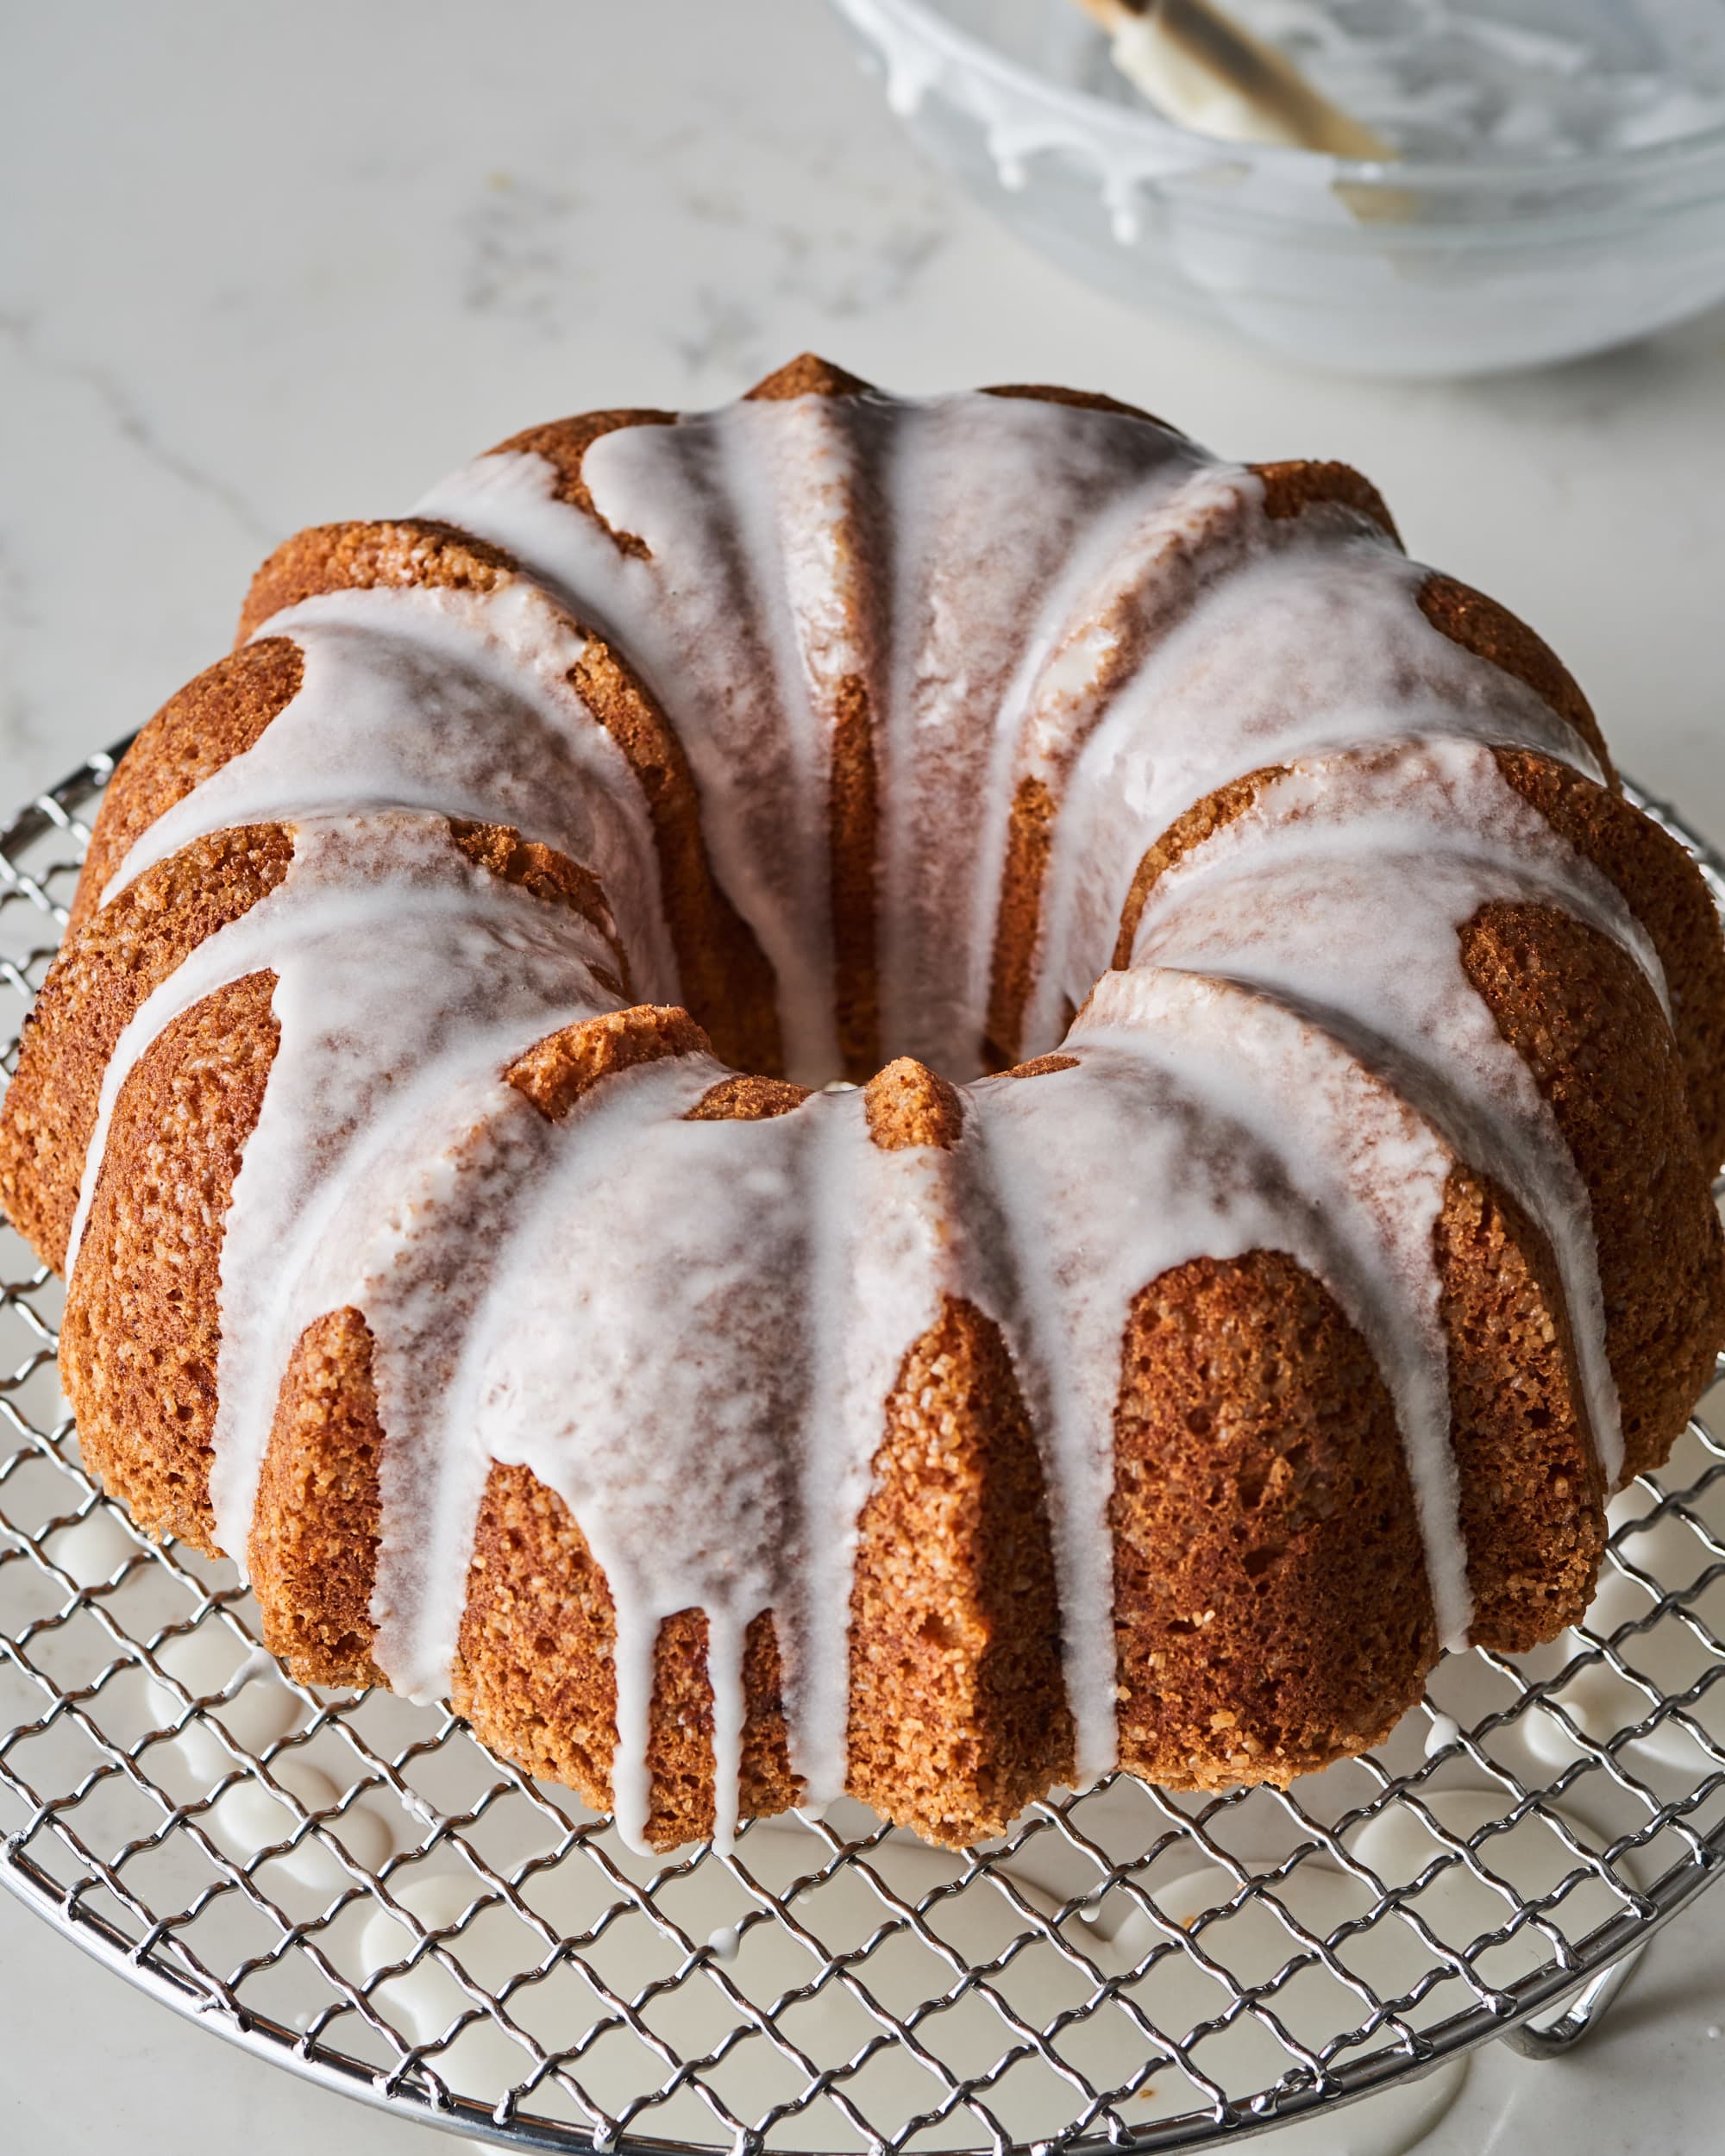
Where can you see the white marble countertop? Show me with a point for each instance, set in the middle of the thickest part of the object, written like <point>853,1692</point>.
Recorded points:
<point>262,267</point>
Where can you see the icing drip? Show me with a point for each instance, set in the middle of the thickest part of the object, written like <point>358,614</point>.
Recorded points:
<point>1306,650</point>
<point>447,701</point>
<point>1219,1123</point>
<point>364,1087</point>
<point>894,1235</point>
<point>687,1329</point>
<point>1413,844</point>
<point>766,1419</point>
<point>981,592</point>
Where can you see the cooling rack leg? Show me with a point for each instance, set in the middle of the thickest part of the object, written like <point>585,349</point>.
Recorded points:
<point>1583,2014</point>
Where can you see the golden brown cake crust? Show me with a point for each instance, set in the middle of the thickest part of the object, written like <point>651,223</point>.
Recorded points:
<point>537,1638</point>
<point>557,1071</point>
<point>1586,1022</point>
<point>1658,884</point>
<point>746,1100</point>
<point>725,977</point>
<point>1270,1604</point>
<point>1297,484</point>
<point>958,1716</point>
<point>1217,809</point>
<point>314,1541</point>
<point>109,965</point>
<point>1042,1067</point>
<point>510,858</point>
<point>907,1104</point>
<point>1272,1609</point>
<point>403,553</point>
<point>1029,839</point>
<point>854,813</point>
<point>854,807</point>
<point>1084,399</point>
<point>1491,632</point>
<point>853,802</point>
<point>535,1673</point>
<point>93,989</point>
<point>215,718</point>
<point>139,1344</point>
<point>564,443</point>
<point>1653,875</point>
<point>1532,1494</point>
<point>807,375</point>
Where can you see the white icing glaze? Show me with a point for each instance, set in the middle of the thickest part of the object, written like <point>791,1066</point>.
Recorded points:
<point>257,1708</point>
<point>93,1548</point>
<point>1445,1731</point>
<point>687,1329</point>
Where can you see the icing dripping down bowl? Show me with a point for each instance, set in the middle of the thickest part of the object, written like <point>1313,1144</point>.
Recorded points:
<point>1420,267</point>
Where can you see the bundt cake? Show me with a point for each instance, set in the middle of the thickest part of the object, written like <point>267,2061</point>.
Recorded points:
<point>911,1097</point>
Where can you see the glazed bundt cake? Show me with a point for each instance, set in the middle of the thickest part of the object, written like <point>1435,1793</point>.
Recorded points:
<point>911,1097</point>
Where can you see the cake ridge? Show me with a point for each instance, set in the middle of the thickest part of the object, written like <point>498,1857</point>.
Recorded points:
<point>1429,837</point>
<point>348,878</point>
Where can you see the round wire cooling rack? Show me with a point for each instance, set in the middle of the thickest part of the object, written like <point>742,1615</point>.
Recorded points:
<point>353,1887</point>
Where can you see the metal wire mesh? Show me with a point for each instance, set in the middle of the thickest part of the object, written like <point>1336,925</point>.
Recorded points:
<point>352,1886</point>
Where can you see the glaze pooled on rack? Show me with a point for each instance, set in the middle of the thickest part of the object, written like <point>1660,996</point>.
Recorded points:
<point>1265,974</point>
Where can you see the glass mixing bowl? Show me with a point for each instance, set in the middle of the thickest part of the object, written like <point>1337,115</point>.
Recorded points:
<point>1409,268</point>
